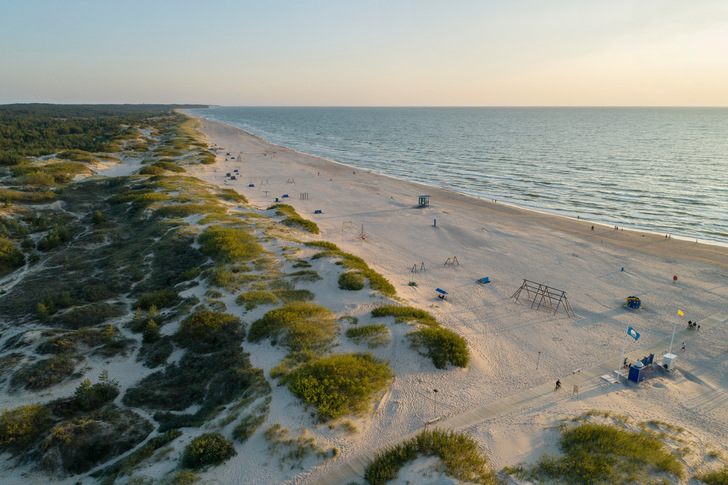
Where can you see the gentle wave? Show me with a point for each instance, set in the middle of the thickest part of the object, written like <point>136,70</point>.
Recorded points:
<point>607,165</point>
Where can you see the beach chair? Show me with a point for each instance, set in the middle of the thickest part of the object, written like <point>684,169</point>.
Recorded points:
<point>483,281</point>
<point>318,211</point>
<point>251,185</point>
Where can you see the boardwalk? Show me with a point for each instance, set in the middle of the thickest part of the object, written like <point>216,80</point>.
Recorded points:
<point>353,468</point>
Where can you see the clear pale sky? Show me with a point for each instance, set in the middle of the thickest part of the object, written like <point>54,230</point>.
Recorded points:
<point>376,52</point>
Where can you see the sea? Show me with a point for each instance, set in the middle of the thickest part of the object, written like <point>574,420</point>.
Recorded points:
<point>662,170</point>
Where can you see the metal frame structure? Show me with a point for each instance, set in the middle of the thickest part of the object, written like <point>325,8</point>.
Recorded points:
<point>545,294</point>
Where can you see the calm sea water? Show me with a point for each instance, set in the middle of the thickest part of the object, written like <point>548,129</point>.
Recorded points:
<point>663,170</point>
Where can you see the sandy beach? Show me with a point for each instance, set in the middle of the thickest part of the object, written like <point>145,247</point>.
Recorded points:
<point>515,348</point>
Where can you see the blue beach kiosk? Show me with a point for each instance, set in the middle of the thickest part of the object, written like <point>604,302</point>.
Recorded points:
<point>424,201</point>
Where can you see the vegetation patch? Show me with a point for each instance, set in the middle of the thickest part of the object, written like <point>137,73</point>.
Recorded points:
<point>292,448</point>
<point>207,449</point>
<point>716,477</point>
<point>340,384</point>
<point>185,210</point>
<point>405,314</point>
<point>126,465</point>
<point>304,275</point>
<point>11,257</point>
<point>443,346</point>
<point>169,166</point>
<point>255,298</point>
<point>375,335</point>
<point>208,331</point>
<point>601,453</point>
<point>229,245</point>
<point>292,219</point>
<point>300,326</point>
<point>459,453</point>
<point>351,281</point>
<point>44,373</point>
<point>292,296</point>
<point>377,282</point>
<point>21,427</point>
<point>209,380</point>
<point>157,299</point>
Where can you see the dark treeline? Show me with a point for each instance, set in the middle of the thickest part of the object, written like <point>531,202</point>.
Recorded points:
<point>31,130</point>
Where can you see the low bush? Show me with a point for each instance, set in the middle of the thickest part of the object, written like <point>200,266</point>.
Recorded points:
<point>254,298</point>
<point>351,281</point>
<point>374,334</point>
<point>351,262</point>
<point>89,397</point>
<point>44,373</point>
<point>443,346</point>
<point>11,257</point>
<point>460,454</point>
<point>159,299</point>
<point>302,223</point>
<point>184,210</point>
<point>229,245</point>
<point>717,477</point>
<point>21,427</point>
<point>305,275</point>
<point>151,170</point>
<point>299,326</point>
<point>232,196</point>
<point>78,445</point>
<point>291,296</point>
<point>87,316</point>
<point>339,384</point>
<point>169,166</point>
<point>207,449</point>
<point>405,314</point>
<point>207,331</point>
<point>601,453</point>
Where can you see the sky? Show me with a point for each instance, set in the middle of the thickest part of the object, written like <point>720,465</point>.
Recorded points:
<point>366,53</point>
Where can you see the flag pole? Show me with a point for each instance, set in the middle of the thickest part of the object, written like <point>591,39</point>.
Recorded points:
<point>673,331</point>
<point>619,364</point>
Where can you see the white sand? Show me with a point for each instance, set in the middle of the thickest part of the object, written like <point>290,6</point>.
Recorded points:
<point>505,337</point>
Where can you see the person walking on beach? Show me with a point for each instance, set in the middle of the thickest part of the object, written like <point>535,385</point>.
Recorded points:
<point>558,385</point>
<point>683,347</point>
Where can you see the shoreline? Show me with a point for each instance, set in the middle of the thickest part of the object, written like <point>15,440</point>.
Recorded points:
<point>683,248</point>
<point>524,205</point>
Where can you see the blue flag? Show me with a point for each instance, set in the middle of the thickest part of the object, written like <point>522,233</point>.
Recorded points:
<point>633,333</point>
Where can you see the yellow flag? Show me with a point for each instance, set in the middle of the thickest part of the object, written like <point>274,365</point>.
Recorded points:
<point>679,312</point>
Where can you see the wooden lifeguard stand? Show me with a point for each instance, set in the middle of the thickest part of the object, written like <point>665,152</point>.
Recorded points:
<point>424,201</point>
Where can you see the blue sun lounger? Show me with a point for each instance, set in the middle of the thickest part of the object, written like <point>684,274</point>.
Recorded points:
<point>483,281</point>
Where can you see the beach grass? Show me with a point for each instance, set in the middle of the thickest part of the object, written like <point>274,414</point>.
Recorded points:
<point>375,335</point>
<point>459,453</point>
<point>340,384</point>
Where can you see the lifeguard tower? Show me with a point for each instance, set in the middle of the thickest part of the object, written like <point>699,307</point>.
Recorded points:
<point>424,201</point>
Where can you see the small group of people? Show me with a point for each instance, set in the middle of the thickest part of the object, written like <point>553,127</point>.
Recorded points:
<point>693,325</point>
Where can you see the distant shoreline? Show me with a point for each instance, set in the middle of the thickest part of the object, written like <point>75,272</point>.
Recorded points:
<point>639,240</point>
<point>590,200</point>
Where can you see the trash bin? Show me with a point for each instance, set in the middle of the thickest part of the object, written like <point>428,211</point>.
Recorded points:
<point>276,199</point>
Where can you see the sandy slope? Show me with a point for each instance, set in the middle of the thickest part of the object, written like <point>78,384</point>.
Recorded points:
<point>598,268</point>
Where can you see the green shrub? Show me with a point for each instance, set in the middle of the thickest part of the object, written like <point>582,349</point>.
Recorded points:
<point>229,245</point>
<point>151,332</point>
<point>299,326</point>
<point>89,397</point>
<point>460,454</point>
<point>23,426</point>
<point>305,275</point>
<point>11,257</point>
<point>252,299</point>
<point>305,224</point>
<point>291,296</point>
<point>232,196</point>
<point>207,331</point>
<point>55,238</point>
<point>184,210</point>
<point>442,346</point>
<point>151,170</point>
<point>78,156</point>
<point>717,477</point>
<point>207,449</point>
<point>404,314</point>
<point>339,384</point>
<point>98,217</point>
<point>87,316</point>
<point>159,299</point>
<point>44,373</point>
<point>600,453</point>
<point>351,281</point>
<point>374,334</point>
<point>349,261</point>
<point>169,166</point>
